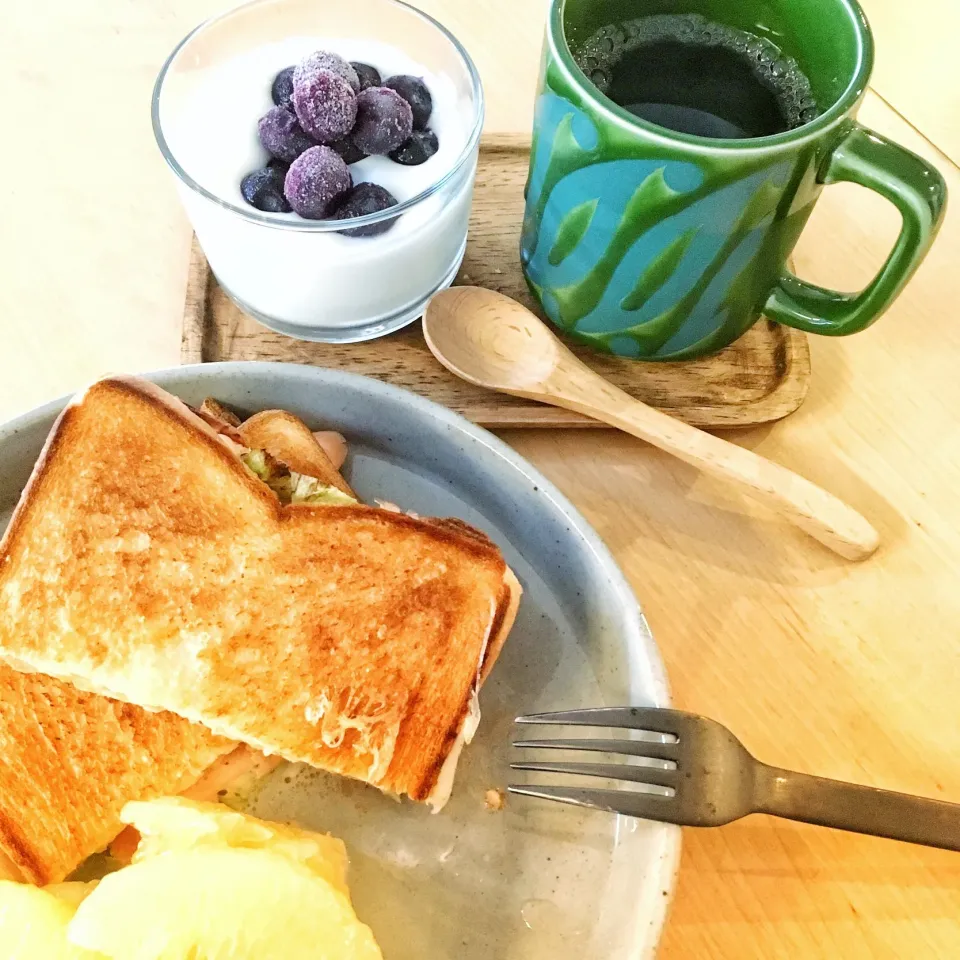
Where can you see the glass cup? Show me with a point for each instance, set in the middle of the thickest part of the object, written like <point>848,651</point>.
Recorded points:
<point>306,278</point>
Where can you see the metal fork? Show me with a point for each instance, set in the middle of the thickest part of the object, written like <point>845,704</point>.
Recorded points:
<point>715,780</point>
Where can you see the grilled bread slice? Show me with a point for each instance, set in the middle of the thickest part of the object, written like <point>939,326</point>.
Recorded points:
<point>71,760</point>
<point>148,564</point>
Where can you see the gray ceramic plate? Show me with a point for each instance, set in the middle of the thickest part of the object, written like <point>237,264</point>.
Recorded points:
<point>536,880</point>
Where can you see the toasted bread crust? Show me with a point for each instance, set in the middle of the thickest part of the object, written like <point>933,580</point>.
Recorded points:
<point>9,870</point>
<point>25,857</point>
<point>506,612</point>
<point>52,459</point>
<point>217,415</point>
<point>348,637</point>
<point>71,760</point>
<point>503,620</point>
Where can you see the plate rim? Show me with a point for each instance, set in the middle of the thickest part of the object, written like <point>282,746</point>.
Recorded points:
<point>669,840</point>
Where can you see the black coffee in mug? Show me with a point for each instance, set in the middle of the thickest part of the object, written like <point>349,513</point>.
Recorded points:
<point>693,76</point>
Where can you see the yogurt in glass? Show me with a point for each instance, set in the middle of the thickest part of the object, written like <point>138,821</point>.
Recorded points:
<point>304,277</point>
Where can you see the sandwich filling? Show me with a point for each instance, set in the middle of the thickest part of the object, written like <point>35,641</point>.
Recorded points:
<point>292,487</point>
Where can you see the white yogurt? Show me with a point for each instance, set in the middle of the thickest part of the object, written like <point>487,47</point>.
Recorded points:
<point>321,285</point>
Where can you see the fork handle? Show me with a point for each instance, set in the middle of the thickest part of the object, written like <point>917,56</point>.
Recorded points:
<point>849,806</point>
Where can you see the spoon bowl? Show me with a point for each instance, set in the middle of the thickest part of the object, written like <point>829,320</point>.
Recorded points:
<point>490,340</point>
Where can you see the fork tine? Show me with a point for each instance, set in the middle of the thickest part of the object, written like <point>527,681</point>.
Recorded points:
<point>629,748</point>
<point>609,771</point>
<point>649,806</point>
<point>655,719</point>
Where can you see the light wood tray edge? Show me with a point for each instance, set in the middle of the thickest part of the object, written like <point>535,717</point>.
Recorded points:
<point>784,399</point>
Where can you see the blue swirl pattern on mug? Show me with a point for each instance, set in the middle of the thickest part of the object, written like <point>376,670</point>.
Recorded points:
<point>644,255</point>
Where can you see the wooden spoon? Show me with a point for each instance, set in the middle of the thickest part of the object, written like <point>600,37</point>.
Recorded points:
<point>495,342</point>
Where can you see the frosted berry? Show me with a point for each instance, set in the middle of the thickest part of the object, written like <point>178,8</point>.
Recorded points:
<point>263,189</point>
<point>324,60</point>
<point>314,181</point>
<point>421,146</point>
<point>326,105</point>
<point>349,152</point>
<point>282,89</point>
<point>368,76</point>
<point>384,120</point>
<point>282,136</point>
<point>415,92</point>
<point>365,198</point>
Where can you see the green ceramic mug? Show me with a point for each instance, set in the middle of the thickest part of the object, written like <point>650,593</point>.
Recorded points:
<point>664,246</point>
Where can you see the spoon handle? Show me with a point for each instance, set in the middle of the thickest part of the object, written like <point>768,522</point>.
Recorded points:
<point>811,508</point>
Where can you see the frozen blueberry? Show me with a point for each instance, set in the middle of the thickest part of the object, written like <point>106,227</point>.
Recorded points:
<point>421,146</point>
<point>368,76</point>
<point>415,92</point>
<point>282,89</point>
<point>263,189</point>
<point>384,120</point>
<point>282,136</point>
<point>314,181</point>
<point>325,105</point>
<point>365,198</point>
<point>349,152</point>
<point>324,60</point>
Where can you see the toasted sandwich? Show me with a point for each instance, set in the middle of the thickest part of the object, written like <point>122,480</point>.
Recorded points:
<point>71,759</point>
<point>162,561</point>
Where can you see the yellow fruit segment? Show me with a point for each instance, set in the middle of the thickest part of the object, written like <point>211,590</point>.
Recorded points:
<point>174,824</point>
<point>206,883</point>
<point>220,903</point>
<point>33,922</point>
<point>71,892</point>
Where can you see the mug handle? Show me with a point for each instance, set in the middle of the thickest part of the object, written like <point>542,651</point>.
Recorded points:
<point>915,188</point>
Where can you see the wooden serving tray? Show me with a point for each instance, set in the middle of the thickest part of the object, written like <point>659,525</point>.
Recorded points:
<point>763,376</point>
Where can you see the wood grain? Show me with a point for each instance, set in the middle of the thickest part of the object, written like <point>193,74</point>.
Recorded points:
<point>762,377</point>
<point>916,69</point>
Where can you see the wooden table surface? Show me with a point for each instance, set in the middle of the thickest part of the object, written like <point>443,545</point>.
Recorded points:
<point>845,670</point>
